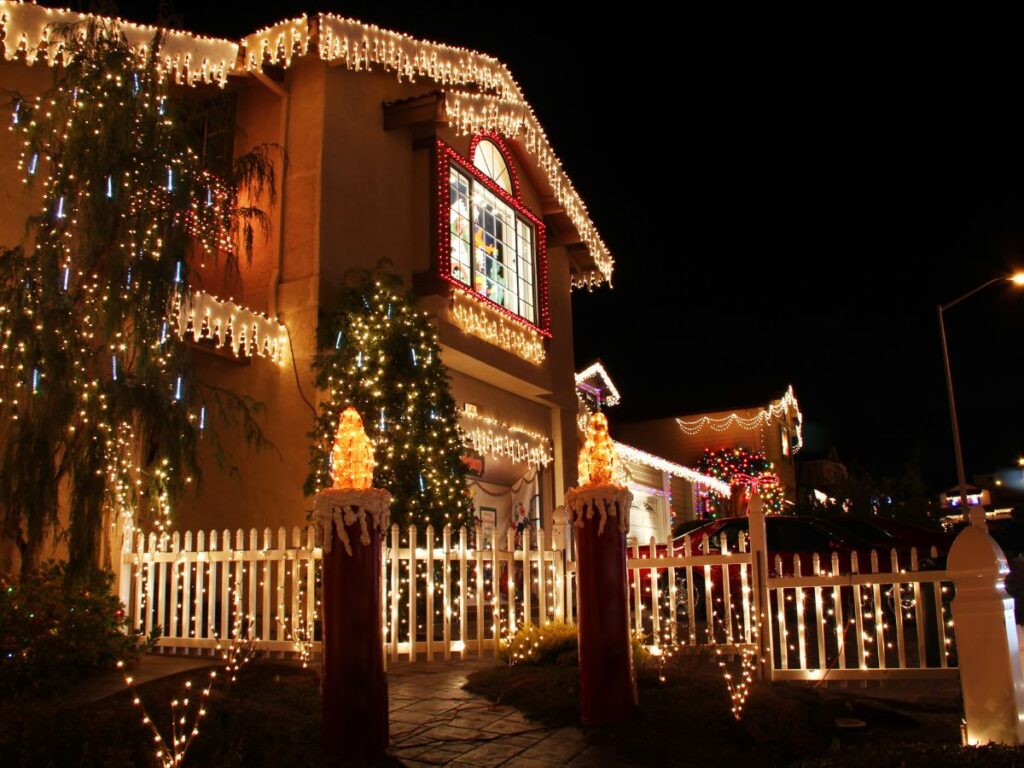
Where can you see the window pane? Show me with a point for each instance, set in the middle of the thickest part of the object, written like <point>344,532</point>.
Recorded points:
<point>494,250</point>
<point>488,158</point>
<point>458,220</point>
<point>498,249</point>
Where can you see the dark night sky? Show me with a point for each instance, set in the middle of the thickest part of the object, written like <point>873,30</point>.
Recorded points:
<point>788,199</point>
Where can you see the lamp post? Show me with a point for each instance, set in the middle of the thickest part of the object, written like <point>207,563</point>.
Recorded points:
<point>1016,279</point>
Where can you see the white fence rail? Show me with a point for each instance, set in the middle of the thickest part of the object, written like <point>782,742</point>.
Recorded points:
<point>858,626</point>
<point>445,597</point>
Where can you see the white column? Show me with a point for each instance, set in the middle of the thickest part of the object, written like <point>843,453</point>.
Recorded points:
<point>986,640</point>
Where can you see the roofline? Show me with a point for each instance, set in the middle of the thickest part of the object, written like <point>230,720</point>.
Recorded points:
<point>629,453</point>
<point>481,94</point>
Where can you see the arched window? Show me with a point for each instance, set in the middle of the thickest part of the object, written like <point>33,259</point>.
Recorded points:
<point>491,244</point>
<point>488,159</point>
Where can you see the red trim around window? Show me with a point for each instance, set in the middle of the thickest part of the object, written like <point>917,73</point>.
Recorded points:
<point>500,144</point>
<point>446,157</point>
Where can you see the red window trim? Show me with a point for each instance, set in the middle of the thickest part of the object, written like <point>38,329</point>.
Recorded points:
<point>446,157</point>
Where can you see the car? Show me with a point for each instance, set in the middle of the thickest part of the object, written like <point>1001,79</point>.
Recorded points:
<point>884,535</point>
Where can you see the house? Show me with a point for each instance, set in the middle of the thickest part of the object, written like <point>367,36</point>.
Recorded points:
<point>664,492</point>
<point>824,477</point>
<point>420,153</point>
<point>774,430</point>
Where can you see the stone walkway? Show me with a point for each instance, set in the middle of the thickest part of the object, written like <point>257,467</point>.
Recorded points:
<point>434,722</point>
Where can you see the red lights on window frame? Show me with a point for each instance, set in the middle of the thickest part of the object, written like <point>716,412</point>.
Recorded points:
<point>500,144</point>
<point>446,157</point>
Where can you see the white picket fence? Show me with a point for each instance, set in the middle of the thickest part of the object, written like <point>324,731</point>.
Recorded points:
<point>445,597</point>
<point>860,626</point>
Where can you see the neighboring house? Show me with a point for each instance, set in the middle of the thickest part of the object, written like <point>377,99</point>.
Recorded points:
<point>775,429</point>
<point>664,492</point>
<point>420,153</point>
<point>822,478</point>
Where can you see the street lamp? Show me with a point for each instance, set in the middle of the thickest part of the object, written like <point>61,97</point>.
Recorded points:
<point>973,517</point>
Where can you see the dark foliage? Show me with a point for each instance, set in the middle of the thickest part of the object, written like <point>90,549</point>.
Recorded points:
<point>52,636</point>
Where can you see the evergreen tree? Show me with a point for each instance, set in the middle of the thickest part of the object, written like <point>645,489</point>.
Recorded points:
<point>99,400</point>
<point>380,354</point>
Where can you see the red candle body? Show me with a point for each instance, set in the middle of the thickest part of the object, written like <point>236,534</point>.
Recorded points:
<point>607,677</point>
<point>355,688</point>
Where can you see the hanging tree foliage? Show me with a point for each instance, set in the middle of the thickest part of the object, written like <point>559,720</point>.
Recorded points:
<point>98,400</point>
<point>380,354</point>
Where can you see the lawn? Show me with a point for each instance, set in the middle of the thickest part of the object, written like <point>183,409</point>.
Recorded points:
<point>269,717</point>
<point>687,720</point>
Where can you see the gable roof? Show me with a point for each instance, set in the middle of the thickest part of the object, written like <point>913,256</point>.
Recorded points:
<point>480,93</point>
<point>595,380</point>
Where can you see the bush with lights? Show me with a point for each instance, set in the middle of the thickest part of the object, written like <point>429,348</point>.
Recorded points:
<point>50,636</point>
<point>738,466</point>
<point>380,354</point>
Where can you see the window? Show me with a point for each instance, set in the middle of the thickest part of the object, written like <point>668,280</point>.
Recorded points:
<point>494,243</point>
<point>488,159</point>
<point>211,122</point>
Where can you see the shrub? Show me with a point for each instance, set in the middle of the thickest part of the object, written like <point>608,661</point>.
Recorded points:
<point>52,635</point>
<point>539,645</point>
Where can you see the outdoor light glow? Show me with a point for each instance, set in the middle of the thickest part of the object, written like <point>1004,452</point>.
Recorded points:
<point>599,461</point>
<point>352,454</point>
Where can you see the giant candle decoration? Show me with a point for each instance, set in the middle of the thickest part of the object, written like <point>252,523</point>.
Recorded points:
<point>355,723</point>
<point>599,511</point>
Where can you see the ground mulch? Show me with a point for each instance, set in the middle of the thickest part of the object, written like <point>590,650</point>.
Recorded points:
<point>686,719</point>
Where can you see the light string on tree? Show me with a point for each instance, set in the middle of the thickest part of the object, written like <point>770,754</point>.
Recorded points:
<point>381,355</point>
<point>85,363</point>
<point>188,710</point>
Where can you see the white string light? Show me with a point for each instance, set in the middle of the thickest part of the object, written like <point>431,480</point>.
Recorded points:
<point>521,445</point>
<point>223,323</point>
<point>189,57</point>
<point>476,319</point>
<point>775,411</point>
<point>635,455</point>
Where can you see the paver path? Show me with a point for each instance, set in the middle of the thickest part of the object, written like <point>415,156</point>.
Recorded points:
<point>435,722</point>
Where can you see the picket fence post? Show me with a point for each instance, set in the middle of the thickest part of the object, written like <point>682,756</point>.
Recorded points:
<point>986,640</point>
<point>761,606</point>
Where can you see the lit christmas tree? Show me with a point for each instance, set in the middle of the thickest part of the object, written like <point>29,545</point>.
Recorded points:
<point>380,355</point>
<point>100,405</point>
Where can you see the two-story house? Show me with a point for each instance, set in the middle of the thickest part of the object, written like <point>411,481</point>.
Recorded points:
<point>416,152</point>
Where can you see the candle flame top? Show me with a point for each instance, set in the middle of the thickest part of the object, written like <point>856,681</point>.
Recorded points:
<point>352,455</point>
<point>599,462</point>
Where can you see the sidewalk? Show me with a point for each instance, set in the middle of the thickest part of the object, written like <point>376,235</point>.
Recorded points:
<point>151,666</point>
<point>434,722</point>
